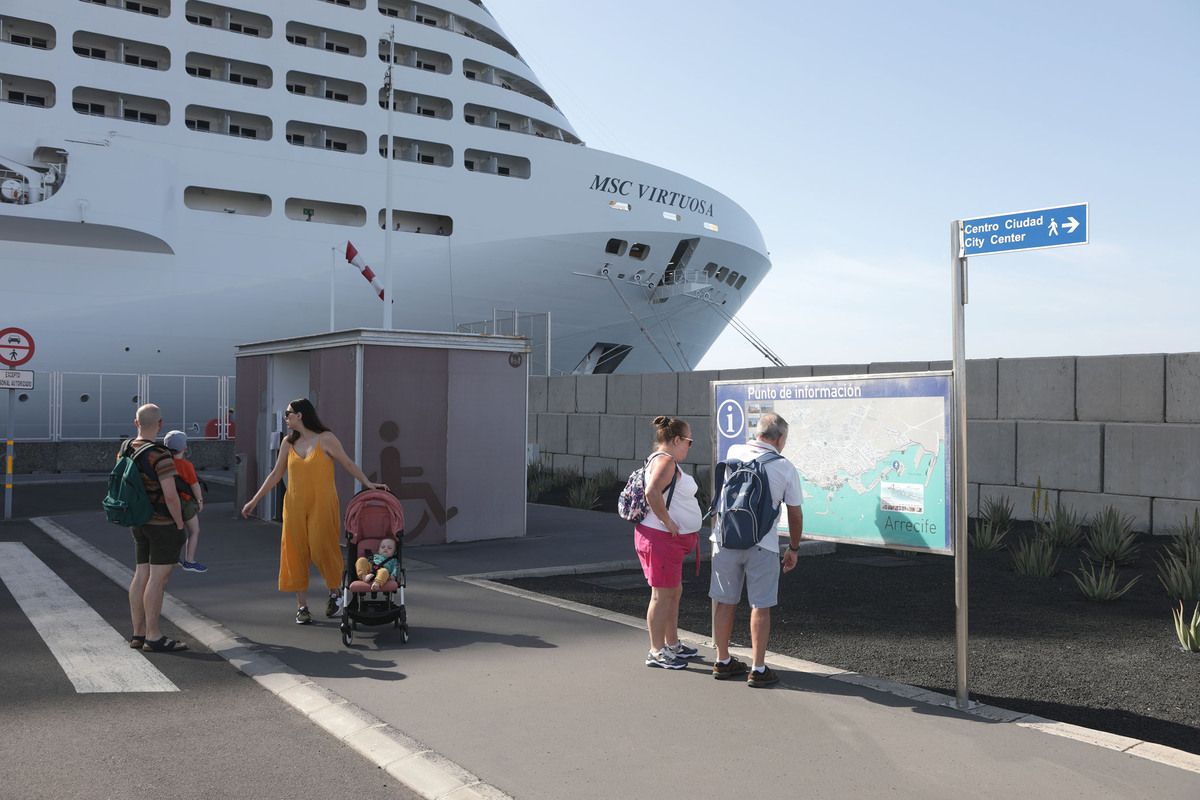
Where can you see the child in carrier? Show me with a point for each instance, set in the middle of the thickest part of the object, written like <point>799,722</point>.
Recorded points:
<point>192,499</point>
<point>378,568</point>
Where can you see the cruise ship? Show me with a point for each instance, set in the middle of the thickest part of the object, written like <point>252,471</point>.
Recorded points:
<point>181,176</point>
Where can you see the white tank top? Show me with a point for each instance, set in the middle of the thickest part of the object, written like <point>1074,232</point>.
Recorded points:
<point>684,508</point>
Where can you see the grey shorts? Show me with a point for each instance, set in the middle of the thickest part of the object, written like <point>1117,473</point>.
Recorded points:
<point>757,569</point>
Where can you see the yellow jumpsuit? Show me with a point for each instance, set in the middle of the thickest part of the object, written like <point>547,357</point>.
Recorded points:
<point>311,516</point>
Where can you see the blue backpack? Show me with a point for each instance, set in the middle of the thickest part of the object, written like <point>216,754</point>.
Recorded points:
<point>742,502</point>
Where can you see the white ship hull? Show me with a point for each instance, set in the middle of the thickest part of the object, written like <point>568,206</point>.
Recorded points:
<point>119,270</point>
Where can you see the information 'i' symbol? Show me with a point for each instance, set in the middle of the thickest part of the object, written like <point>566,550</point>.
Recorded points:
<point>731,417</point>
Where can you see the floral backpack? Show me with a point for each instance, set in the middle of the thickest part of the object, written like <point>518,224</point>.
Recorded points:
<point>631,504</point>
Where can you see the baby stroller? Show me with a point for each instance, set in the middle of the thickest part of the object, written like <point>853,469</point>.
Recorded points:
<point>372,515</point>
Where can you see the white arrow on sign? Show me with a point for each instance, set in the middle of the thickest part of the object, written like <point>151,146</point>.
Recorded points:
<point>1070,225</point>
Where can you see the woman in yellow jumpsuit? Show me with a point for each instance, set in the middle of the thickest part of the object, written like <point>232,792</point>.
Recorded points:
<point>311,511</point>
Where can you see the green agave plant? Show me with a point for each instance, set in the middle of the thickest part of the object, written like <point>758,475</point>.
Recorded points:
<point>1035,557</point>
<point>1111,537</point>
<point>997,511</point>
<point>1179,563</point>
<point>1101,585</point>
<point>987,535</point>
<point>1187,633</point>
<point>1062,528</point>
<point>584,494</point>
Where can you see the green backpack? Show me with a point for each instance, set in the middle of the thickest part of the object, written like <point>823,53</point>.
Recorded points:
<point>126,502</point>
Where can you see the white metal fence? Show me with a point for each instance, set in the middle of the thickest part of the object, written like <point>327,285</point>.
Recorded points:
<point>95,405</point>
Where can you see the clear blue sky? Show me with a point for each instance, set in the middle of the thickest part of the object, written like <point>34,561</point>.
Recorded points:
<point>855,132</point>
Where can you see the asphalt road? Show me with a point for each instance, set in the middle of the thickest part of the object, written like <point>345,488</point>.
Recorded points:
<point>220,736</point>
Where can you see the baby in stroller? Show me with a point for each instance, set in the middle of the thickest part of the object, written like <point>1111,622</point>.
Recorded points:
<point>373,579</point>
<point>378,568</point>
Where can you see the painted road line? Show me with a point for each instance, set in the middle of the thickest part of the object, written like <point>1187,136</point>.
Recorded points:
<point>95,657</point>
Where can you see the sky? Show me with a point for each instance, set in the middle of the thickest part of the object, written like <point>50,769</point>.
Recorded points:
<point>854,133</point>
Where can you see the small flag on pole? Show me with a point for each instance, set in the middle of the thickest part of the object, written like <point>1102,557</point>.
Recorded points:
<point>354,258</point>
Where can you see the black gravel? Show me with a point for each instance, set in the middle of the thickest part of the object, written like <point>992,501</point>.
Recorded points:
<point>1036,644</point>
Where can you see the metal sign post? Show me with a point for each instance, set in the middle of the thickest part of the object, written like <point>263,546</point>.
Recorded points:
<point>958,283</point>
<point>8,456</point>
<point>1058,226</point>
<point>16,348</point>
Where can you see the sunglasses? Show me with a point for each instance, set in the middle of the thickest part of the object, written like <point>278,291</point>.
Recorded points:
<point>686,439</point>
<point>288,412</point>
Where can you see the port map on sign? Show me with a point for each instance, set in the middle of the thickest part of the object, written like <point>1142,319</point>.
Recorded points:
<point>871,452</point>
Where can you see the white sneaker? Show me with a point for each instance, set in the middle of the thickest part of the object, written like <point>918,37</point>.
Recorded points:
<point>681,650</point>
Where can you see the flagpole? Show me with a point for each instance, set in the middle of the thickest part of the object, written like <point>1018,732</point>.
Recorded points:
<point>387,213</point>
<point>332,270</point>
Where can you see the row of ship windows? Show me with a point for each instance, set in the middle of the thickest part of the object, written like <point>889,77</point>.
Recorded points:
<point>150,56</point>
<point>24,90</point>
<point>304,209</point>
<point>97,102</point>
<point>712,270</point>
<point>237,20</point>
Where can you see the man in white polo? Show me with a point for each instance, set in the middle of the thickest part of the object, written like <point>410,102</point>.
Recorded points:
<point>758,567</point>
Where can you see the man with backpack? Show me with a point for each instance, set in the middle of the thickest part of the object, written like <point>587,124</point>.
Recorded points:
<point>157,542</point>
<point>745,546</point>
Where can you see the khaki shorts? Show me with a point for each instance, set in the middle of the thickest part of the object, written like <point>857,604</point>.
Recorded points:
<point>757,569</point>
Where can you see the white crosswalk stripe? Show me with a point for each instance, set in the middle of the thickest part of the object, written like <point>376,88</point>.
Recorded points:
<point>95,657</point>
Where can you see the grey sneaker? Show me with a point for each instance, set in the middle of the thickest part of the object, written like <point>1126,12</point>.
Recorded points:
<point>664,659</point>
<point>302,616</point>
<point>734,669</point>
<point>758,680</point>
<point>681,650</point>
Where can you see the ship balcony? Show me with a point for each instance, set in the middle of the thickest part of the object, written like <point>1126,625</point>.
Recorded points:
<point>422,105</point>
<point>336,89</point>
<point>358,5</point>
<point>27,33</point>
<point>216,68</point>
<point>416,57</point>
<point>23,91</point>
<point>327,137</point>
<point>122,51</point>
<point>438,18</point>
<point>120,105</point>
<point>324,212</point>
<point>486,117</point>
<point>234,20</point>
<point>418,222</point>
<point>303,35</point>
<point>418,152</point>
<point>496,163</point>
<point>152,8</point>
<point>227,201</point>
<point>486,73</point>
<point>231,123</point>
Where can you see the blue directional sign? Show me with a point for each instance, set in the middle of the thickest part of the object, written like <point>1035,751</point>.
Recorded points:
<point>1026,230</point>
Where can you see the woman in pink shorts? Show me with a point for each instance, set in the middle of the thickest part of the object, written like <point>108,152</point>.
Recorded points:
<point>668,533</point>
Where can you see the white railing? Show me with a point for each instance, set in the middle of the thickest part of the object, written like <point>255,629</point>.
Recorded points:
<point>95,405</point>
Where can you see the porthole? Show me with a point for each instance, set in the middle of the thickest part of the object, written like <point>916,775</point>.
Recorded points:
<point>616,247</point>
<point>639,251</point>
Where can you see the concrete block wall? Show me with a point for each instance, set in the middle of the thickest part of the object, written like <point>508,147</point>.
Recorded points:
<point>1121,430</point>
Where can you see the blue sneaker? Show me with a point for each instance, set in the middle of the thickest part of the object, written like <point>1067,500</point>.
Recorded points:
<point>664,659</point>
<point>681,650</point>
<point>193,566</point>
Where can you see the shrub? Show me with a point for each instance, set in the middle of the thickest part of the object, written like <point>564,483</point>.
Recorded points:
<point>1179,563</point>
<point>988,535</point>
<point>1111,537</point>
<point>1035,557</point>
<point>1100,585</point>
<point>1061,528</point>
<point>584,493</point>
<point>1189,633</point>
<point>539,481</point>
<point>606,478</point>
<point>998,512</point>
<point>1039,503</point>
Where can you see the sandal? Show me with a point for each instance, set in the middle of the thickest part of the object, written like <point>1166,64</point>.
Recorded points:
<point>163,645</point>
<point>136,642</point>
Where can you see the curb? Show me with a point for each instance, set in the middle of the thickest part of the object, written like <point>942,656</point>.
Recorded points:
<point>419,768</point>
<point>1168,756</point>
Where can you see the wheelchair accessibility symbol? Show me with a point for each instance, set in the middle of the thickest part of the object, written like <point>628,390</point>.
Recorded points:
<point>731,419</point>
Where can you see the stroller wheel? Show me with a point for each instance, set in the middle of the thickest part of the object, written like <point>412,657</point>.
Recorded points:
<point>404,634</point>
<point>347,637</point>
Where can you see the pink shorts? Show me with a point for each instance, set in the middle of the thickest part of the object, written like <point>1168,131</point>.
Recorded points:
<point>662,555</point>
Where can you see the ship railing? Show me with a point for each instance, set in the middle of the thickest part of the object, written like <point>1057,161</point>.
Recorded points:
<point>533,325</point>
<point>69,406</point>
